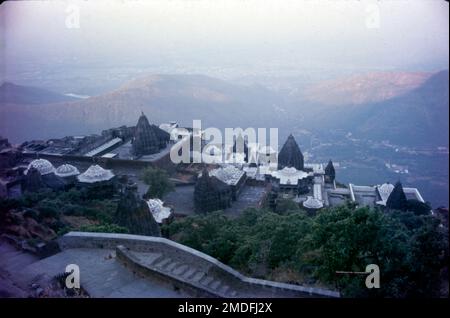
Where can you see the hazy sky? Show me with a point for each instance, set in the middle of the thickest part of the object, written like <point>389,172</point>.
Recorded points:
<point>249,34</point>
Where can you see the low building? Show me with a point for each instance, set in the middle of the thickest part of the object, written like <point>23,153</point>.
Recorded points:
<point>290,180</point>
<point>211,194</point>
<point>378,195</point>
<point>231,176</point>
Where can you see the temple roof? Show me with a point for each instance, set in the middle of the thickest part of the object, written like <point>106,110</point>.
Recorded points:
<point>312,203</point>
<point>43,166</point>
<point>397,199</point>
<point>228,174</point>
<point>384,191</point>
<point>148,139</point>
<point>158,210</point>
<point>289,175</point>
<point>66,170</point>
<point>290,155</point>
<point>95,173</point>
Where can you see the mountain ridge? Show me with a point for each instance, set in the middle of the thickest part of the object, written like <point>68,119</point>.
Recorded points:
<point>19,94</point>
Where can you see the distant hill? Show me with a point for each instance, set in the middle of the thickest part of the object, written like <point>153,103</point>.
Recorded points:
<point>364,88</point>
<point>18,94</point>
<point>414,111</point>
<point>162,98</point>
<point>418,117</point>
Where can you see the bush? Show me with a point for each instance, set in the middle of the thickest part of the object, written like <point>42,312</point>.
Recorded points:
<point>158,182</point>
<point>410,249</point>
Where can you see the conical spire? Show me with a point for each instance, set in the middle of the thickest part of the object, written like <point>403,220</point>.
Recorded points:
<point>330,173</point>
<point>134,214</point>
<point>290,155</point>
<point>146,138</point>
<point>211,194</point>
<point>240,146</point>
<point>397,199</point>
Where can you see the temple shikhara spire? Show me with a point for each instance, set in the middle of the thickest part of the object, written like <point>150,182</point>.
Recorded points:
<point>290,155</point>
<point>148,139</point>
<point>211,194</point>
<point>330,173</point>
<point>397,199</point>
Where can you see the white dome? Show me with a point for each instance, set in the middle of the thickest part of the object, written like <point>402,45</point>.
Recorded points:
<point>312,203</point>
<point>66,170</point>
<point>385,190</point>
<point>289,175</point>
<point>95,173</point>
<point>158,211</point>
<point>42,165</point>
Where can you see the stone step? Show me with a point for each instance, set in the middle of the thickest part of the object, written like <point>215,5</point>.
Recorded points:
<point>232,293</point>
<point>197,277</point>
<point>223,290</point>
<point>171,266</point>
<point>163,263</point>
<point>207,280</point>
<point>214,285</point>
<point>180,270</point>
<point>150,258</point>
<point>188,274</point>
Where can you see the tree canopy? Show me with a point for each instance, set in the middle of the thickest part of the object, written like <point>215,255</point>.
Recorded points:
<point>410,249</point>
<point>158,182</point>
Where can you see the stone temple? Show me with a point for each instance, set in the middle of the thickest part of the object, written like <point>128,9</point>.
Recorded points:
<point>290,155</point>
<point>211,194</point>
<point>148,139</point>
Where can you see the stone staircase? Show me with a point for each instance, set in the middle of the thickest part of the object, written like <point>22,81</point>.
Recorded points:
<point>187,273</point>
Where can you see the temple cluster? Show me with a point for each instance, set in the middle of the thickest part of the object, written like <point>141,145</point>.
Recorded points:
<point>311,185</point>
<point>248,177</point>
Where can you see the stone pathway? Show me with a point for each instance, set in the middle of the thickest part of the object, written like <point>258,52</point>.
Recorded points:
<point>101,274</point>
<point>12,261</point>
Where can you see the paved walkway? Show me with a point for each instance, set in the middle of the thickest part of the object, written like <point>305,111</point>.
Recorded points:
<point>100,273</point>
<point>11,262</point>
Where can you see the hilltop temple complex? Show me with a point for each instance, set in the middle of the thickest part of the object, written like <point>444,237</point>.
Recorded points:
<point>109,167</point>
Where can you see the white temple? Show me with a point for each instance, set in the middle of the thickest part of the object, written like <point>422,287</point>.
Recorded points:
<point>95,173</point>
<point>312,203</point>
<point>384,191</point>
<point>159,212</point>
<point>66,170</point>
<point>43,166</point>
<point>228,174</point>
<point>289,176</point>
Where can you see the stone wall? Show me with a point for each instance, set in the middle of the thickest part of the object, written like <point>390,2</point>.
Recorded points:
<point>252,286</point>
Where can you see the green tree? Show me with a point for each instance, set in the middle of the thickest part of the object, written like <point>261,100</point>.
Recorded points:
<point>410,248</point>
<point>284,206</point>
<point>158,182</point>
